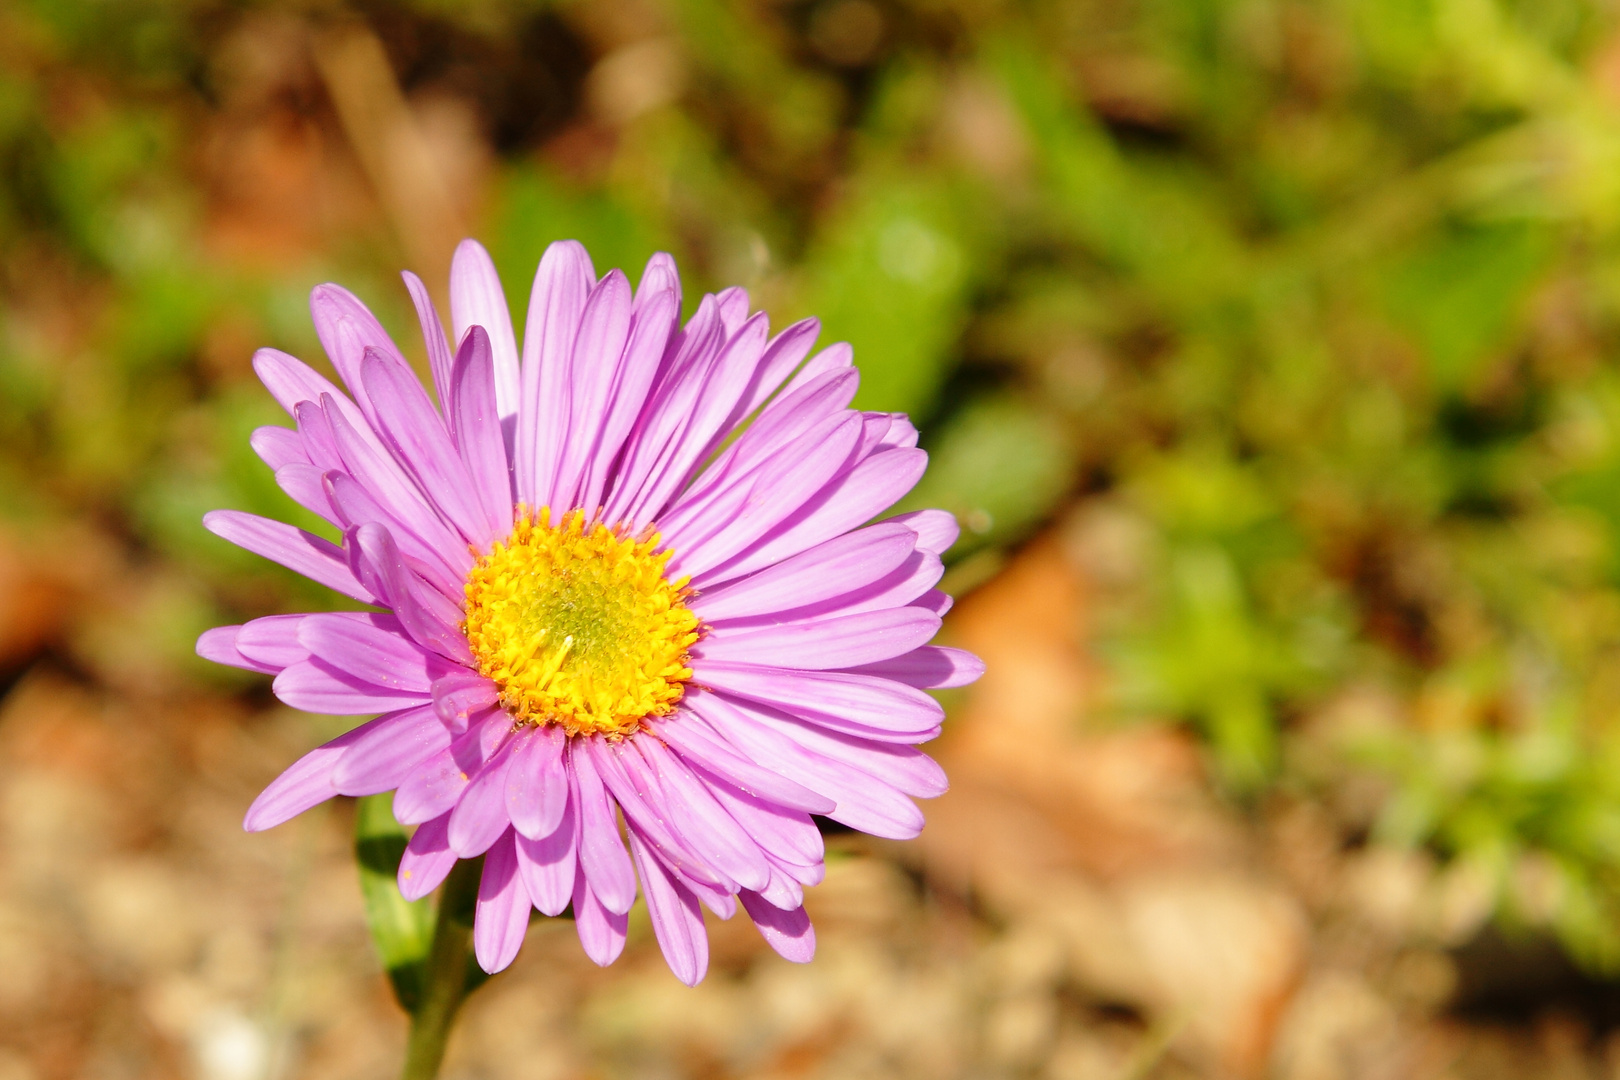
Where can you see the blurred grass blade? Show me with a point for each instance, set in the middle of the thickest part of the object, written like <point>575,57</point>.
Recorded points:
<point>402,929</point>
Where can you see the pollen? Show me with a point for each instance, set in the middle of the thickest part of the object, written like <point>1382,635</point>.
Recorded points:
<point>579,627</point>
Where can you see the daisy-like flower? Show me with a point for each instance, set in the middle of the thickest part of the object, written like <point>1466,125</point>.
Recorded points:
<point>627,592</point>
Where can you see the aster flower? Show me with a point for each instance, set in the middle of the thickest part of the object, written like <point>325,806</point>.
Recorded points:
<point>622,575</point>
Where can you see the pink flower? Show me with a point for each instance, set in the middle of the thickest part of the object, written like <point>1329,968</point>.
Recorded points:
<point>623,574</point>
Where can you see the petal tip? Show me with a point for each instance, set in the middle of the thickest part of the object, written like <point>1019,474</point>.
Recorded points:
<point>470,248</point>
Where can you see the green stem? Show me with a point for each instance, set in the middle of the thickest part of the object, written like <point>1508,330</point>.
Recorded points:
<point>444,982</point>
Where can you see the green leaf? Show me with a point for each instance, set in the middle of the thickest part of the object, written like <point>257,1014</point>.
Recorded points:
<point>889,274</point>
<point>402,929</point>
<point>1148,222</point>
<point>1461,295</point>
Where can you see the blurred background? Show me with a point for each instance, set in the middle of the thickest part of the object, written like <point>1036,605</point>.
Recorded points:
<point>1268,350</point>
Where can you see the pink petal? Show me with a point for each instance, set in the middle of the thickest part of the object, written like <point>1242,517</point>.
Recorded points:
<point>372,647</point>
<point>219,645</point>
<point>774,493</point>
<point>703,823</point>
<point>291,381</point>
<point>277,446</point>
<point>439,359</point>
<point>480,815</point>
<point>476,299</point>
<point>931,667</point>
<point>936,530</point>
<point>317,438</point>
<point>833,358</point>
<point>847,502</point>
<point>597,353</point>
<point>640,796</point>
<point>556,301</point>
<point>733,306</point>
<point>477,430</point>
<point>548,864</point>
<point>431,618</point>
<point>783,421</point>
<point>602,857</point>
<point>669,405</point>
<point>658,276</point>
<point>397,494</point>
<point>722,386</point>
<point>782,355</point>
<point>825,644</point>
<point>601,932</point>
<point>653,324</point>
<point>788,932</point>
<point>904,585</point>
<point>433,788</point>
<point>408,422</point>
<point>354,504</point>
<point>782,834</point>
<point>272,640</point>
<point>783,892</point>
<point>460,693</point>
<point>902,432</point>
<point>388,753</point>
<point>676,918</point>
<point>831,569</point>
<point>865,706</point>
<point>428,859</point>
<point>347,329</point>
<point>301,552</point>
<point>305,485</point>
<point>702,750</point>
<point>314,687</point>
<point>904,768</point>
<point>502,914</point>
<point>305,783</point>
<point>537,784</point>
<point>863,802</point>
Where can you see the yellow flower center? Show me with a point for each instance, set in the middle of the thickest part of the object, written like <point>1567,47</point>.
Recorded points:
<point>579,627</point>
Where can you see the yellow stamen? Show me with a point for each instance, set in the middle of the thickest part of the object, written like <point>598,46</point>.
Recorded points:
<point>579,627</point>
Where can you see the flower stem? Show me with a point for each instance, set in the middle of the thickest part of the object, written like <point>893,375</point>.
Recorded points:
<point>444,982</point>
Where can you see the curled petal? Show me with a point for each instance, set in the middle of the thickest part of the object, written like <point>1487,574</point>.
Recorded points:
<point>460,693</point>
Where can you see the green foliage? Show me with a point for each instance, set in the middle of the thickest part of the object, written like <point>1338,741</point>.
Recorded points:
<point>890,273</point>
<point>1457,295</point>
<point>401,929</point>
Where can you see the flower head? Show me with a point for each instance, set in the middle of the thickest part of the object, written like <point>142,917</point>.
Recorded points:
<point>624,576</point>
